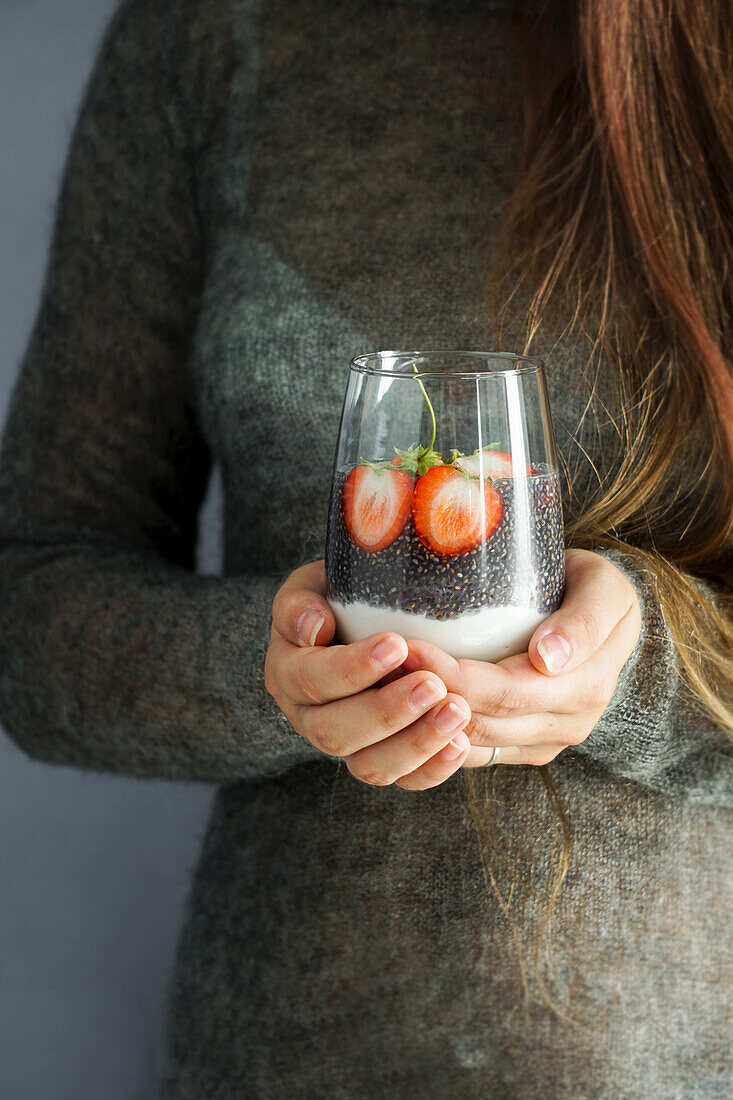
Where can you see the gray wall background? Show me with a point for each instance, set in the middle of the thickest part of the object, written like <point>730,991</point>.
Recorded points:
<point>93,869</point>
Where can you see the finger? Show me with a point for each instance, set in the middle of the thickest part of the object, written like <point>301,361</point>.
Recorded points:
<point>400,756</point>
<point>348,725</point>
<point>321,674</point>
<point>590,691</point>
<point>439,767</point>
<point>510,687</point>
<point>587,688</point>
<point>597,596</point>
<point>395,674</point>
<point>513,687</point>
<point>537,755</point>
<point>581,697</point>
<point>300,612</point>
<point>487,732</point>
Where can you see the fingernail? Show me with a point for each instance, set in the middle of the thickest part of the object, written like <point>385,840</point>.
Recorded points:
<point>388,652</point>
<point>554,651</point>
<point>455,747</point>
<point>427,693</point>
<point>450,717</point>
<point>309,623</point>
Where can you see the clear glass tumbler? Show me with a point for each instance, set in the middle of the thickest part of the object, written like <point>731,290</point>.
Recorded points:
<point>445,521</point>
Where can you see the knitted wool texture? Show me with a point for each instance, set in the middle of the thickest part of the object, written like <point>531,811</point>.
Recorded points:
<point>253,195</point>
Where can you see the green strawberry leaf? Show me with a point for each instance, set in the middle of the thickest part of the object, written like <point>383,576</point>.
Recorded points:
<point>378,467</point>
<point>456,455</point>
<point>417,460</point>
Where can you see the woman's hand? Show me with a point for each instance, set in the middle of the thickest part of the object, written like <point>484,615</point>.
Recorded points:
<point>353,701</point>
<point>535,704</point>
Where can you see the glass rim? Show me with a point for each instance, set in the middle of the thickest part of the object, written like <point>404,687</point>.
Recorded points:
<point>364,363</point>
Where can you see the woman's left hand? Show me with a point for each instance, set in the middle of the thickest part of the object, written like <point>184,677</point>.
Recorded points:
<point>535,704</point>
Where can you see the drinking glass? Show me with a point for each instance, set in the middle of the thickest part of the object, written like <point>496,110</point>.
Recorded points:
<point>445,517</point>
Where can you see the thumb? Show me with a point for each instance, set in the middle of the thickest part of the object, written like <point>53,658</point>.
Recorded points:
<point>300,613</point>
<point>597,596</point>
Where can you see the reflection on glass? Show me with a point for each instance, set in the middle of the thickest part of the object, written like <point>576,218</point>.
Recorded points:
<point>445,521</point>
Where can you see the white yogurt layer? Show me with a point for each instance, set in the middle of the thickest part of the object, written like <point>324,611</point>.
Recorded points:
<point>489,634</point>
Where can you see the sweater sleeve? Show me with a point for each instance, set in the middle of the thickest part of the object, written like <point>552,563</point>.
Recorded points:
<point>114,654</point>
<point>653,730</point>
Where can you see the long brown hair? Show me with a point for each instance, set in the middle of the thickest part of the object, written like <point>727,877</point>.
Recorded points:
<point>621,220</point>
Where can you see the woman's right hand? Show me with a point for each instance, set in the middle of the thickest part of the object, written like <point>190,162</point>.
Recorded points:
<point>334,695</point>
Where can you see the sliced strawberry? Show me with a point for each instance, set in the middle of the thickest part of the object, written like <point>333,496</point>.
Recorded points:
<point>376,505</point>
<point>453,513</point>
<point>495,464</point>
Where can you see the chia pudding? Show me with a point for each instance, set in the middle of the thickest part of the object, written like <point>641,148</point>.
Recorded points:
<point>483,602</point>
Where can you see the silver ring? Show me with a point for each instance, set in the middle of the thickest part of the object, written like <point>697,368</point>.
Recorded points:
<point>494,757</point>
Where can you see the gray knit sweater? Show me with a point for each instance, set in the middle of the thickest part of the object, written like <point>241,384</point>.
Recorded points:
<point>252,196</point>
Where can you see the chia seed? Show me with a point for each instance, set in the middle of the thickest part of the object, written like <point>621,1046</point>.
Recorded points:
<point>409,576</point>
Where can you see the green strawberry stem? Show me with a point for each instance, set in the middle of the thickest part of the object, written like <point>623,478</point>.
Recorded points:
<point>416,460</point>
<point>432,412</point>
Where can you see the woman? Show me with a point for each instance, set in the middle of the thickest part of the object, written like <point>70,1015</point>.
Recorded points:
<point>253,195</point>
